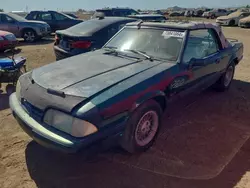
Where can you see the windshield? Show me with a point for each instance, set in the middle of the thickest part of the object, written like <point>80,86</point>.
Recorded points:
<point>16,17</point>
<point>158,43</point>
<point>235,14</point>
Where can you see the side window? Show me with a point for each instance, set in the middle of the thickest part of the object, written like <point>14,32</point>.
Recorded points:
<point>7,19</point>
<point>132,12</point>
<point>45,16</point>
<point>118,13</point>
<point>107,13</point>
<point>200,44</point>
<point>34,16</point>
<point>60,17</point>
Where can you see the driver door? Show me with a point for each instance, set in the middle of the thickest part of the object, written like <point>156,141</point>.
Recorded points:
<point>202,59</point>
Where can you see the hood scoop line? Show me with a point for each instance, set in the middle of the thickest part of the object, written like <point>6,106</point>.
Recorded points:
<point>56,92</point>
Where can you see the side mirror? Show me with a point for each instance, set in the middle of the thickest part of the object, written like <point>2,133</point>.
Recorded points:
<point>196,62</point>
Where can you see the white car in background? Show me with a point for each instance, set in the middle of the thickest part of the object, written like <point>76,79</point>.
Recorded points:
<point>232,19</point>
<point>215,13</point>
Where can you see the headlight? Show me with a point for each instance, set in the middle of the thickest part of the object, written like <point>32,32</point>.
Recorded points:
<point>18,90</point>
<point>68,124</point>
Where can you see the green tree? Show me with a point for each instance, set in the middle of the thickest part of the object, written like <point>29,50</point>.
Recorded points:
<point>247,6</point>
<point>1,10</point>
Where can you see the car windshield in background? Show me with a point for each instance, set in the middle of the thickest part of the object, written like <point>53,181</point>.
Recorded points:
<point>17,17</point>
<point>105,12</point>
<point>87,26</point>
<point>157,43</point>
<point>63,14</point>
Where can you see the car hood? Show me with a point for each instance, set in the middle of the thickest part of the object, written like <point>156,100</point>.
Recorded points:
<point>88,74</point>
<point>4,33</point>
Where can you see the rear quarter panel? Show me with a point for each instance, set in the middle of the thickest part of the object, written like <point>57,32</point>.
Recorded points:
<point>237,50</point>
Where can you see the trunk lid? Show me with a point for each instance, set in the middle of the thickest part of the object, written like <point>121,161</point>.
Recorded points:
<point>64,39</point>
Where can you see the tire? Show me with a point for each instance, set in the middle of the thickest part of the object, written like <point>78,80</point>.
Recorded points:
<point>225,80</point>
<point>232,23</point>
<point>135,129</point>
<point>29,35</point>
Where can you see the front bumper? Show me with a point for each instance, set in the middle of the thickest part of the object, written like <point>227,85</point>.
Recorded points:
<point>43,32</point>
<point>53,139</point>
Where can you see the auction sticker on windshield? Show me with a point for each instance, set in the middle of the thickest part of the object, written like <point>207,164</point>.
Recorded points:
<point>167,34</point>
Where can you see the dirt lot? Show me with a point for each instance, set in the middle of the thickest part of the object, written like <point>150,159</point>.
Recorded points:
<point>206,145</point>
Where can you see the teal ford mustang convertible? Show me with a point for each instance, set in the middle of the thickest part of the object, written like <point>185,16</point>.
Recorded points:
<point>120,91</point>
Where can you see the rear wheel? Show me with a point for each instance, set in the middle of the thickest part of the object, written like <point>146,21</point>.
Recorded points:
<point>29,35</point>
<point>226,79</point>
<point>142,127</point>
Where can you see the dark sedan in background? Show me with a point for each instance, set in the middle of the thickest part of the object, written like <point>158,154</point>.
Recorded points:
<point>87,36</point>
<point>56,20</point>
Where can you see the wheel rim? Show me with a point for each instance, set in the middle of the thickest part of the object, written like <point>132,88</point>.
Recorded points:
<point>29,36</point>
<point>146,128</point>
<point>228,76</point>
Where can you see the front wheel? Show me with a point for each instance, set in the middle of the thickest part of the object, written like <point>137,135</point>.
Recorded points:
<point>29,35</point>
<point>226,79</point>
<point>142,127</point>
<point>231,23</point>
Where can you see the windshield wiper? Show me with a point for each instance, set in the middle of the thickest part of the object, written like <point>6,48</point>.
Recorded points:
<point>141,53</point>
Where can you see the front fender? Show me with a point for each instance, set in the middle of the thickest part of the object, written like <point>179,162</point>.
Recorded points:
<point>148,96</point>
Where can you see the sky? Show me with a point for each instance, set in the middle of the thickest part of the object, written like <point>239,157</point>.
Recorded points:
<point>72,5</point>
